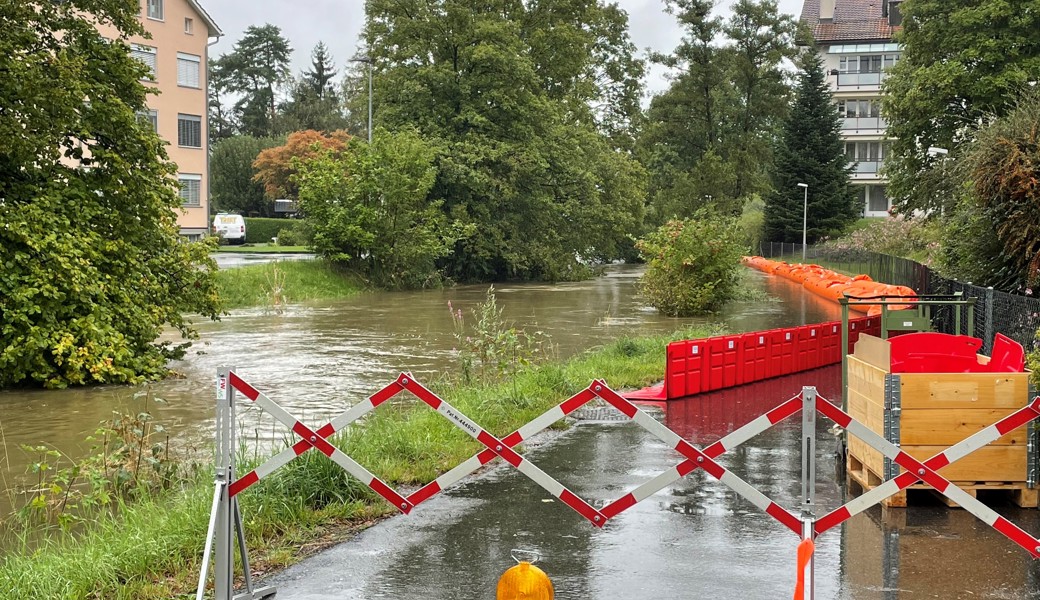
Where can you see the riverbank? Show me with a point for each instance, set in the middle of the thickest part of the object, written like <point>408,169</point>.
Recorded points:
<point>152,550</point>
<point>275,284</point>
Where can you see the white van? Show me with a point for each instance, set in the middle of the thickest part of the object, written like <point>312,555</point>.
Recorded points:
<point>231,228</point>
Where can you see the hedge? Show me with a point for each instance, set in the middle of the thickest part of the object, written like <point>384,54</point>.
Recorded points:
<point>260,230</point>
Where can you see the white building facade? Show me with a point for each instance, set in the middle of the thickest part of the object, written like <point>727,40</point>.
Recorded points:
<point>854,39</point>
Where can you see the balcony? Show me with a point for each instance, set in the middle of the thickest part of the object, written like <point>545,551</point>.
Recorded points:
<point>866,169</point>
<point>858,79</point>
<point>864,125</point>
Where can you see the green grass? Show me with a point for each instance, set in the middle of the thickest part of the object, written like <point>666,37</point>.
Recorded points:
<point>282,282</point>
<point>152,550</point>
<point>264,249</point>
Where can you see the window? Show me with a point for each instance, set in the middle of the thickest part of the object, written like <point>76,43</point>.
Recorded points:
<point>860,64</point>
<point>188,70</point>
<point>145,54</point>
<point>155,9</point>
<point>865,151</point>
<point>864,48</point>
<point>189,131</point>
<point>189,25</point>
<point>878,198</point>
<point>867,156</point>
<point>191,189</point>
<point>859,109</point>
<point>151,117</point>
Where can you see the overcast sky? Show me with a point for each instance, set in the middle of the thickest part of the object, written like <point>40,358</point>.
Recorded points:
<point>338,23</point>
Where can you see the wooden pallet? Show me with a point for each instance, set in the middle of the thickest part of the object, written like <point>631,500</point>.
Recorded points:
<point>1016,491</point>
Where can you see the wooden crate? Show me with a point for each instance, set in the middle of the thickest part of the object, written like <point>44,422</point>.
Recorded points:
<point>937,410</point>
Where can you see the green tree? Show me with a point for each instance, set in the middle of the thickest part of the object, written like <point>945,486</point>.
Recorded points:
<point>504,91</point>
<point>318,79</point>
<point>999,171</point>
<point>369,209</point>
<point>762,39</point>
<point>93,267</point>
<point>811,151</point>
<point>222,124</point>
<point>691,264</point>
<point>233,187</point>
<point>314,102</point>
<point>708,139</point>
<point>255,70</point>
<point>963,63</point>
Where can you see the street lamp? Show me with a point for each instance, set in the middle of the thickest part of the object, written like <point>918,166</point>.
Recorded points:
<point>369,61</point>
<point>805,215</point>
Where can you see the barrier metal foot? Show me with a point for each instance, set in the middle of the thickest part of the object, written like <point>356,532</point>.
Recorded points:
<point>259,594</point>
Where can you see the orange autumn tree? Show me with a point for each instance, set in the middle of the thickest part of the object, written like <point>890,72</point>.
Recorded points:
<point>275,167</point>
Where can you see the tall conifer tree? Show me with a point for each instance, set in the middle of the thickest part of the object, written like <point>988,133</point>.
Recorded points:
<point>812,152</point>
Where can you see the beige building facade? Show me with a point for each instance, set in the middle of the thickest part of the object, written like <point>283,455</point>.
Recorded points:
<point>177,53</point>
<point>855,40</point>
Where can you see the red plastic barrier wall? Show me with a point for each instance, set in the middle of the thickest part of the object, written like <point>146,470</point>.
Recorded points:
<point>698,366</point>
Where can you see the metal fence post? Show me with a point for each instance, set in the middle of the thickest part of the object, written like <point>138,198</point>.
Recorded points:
<point>808,481</point>
<point>224,555</point>
<point>219,532</point>
<point>987,340</point>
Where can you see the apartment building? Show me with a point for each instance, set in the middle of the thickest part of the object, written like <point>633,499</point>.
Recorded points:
<point>177,54</point>
<point>854,38</point>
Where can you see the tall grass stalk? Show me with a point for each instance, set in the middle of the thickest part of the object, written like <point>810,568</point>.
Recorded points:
<point>152,549</point>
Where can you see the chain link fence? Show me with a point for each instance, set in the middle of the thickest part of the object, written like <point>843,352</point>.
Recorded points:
<point>1017,317</point>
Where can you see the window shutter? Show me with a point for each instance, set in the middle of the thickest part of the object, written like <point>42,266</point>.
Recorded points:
<point>188,67</point>
<point>146,55</point>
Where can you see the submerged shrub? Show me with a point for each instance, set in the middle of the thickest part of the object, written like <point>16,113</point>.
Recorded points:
<point>691,264</point>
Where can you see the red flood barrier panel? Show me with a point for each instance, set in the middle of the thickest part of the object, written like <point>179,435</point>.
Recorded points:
<point>756,357</point>
<point>830,344</point>
<point>723,361</point>
<point>675,371</point>
<point>695,366</point>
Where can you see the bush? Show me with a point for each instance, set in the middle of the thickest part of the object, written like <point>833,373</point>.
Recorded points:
<point>915,239</point>
<point>260,230</point>
<point>692,264</point>
<point>298,233</point>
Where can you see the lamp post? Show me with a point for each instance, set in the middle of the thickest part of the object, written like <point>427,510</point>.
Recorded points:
<point>369,61</point>
<point>805,216</point>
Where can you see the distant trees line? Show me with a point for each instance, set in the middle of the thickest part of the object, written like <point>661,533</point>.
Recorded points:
<point>529,117</point>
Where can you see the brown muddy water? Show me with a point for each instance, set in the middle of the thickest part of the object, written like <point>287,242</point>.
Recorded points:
<point>317,359</point>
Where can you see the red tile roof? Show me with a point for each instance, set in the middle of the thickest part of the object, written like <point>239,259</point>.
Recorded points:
<point>854,20</point>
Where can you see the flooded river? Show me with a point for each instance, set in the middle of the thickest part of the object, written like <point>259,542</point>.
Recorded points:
<point>319,358</point>
<point>695,539</point>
